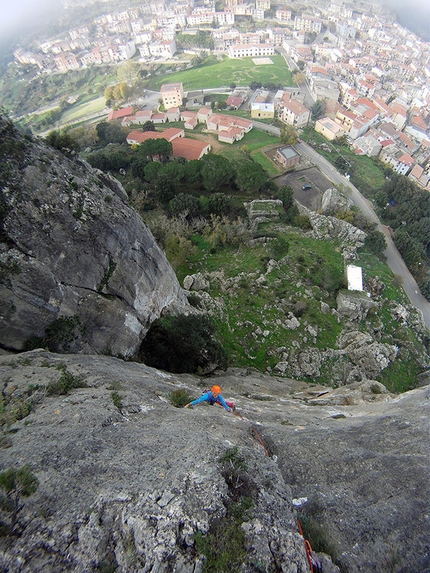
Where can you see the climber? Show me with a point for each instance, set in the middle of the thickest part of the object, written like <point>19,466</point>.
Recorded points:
<point>213,396</point>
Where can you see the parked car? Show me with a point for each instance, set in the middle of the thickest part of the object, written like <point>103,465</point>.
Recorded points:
<point>307,186</point>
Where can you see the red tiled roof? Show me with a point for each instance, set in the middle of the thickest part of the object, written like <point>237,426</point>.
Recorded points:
<point>117,113</point>
<point>188,148</point>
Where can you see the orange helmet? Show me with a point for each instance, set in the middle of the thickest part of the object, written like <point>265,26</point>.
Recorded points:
<point>216,390</point>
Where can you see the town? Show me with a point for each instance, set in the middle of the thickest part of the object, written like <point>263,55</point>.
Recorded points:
<point>368,76</point>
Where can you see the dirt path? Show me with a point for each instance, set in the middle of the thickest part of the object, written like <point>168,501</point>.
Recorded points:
<point>209,137</point>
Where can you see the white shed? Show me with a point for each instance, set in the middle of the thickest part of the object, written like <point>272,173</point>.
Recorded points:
<point>355,277</point>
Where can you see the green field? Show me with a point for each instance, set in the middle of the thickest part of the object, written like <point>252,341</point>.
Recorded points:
<point>81,111</point>
<point>214,73</point>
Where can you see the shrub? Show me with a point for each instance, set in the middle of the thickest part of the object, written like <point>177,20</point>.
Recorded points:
<point>66,382</point>
<point>15,484</point>
<point>182,344</point>
<point>117,400</point>
<point>179,398</point>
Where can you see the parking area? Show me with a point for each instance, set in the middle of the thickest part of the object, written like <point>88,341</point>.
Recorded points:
<point>310,198</point>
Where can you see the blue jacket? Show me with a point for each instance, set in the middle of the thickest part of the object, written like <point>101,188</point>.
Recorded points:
<point>208,397</point>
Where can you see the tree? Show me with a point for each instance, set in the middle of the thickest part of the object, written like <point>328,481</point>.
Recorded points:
<point>288,135</point>
<point>250,177</point>
<point>110,132</point>
<point>376,243</point>
<point>193,173</point>
<point>318,109</point>
<point>185,205</point>
<point>152,148</point>
<point>216,171</point>
<point>299,77</point>
<point>255,85</point>
<point>286,195</point>
<point>62,140</point>
<point>219,204</point>
<point>410,249</point>
<point>128,72</point>
<point>148,126</point>
<point>16,484</point>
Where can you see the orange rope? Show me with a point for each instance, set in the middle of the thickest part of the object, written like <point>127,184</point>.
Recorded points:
<point>308,548</point>
<point>256,434</point>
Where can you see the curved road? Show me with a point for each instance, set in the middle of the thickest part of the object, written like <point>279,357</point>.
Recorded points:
<point>394,260</point>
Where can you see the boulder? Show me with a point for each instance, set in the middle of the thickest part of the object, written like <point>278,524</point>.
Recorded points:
<point>354,305</point>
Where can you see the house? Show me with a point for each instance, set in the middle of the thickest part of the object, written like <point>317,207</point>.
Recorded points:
<point>250,50</point>
<point>419,177</point>
<point>220,123</point>
<point>172,94</point>
<point>119,113</point>
<point>190,119</point>
<point>234,102</point>
<point>231,135</point>
<point>173,114</point>
<point>137,137</point>
<point>329,128</point>
<point>368,144</point>
<point>262,110</point>
<point>189,148</point>
<point>203,114</point>
<point>294,113</point>
<point>159,117</point>
<point>287,156</point>
<point>404,164</point>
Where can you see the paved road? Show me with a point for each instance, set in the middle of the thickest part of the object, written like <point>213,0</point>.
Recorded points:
<point>394,260</point>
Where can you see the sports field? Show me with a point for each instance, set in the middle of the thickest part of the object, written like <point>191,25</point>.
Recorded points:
<point>83,110</point>
<point>214,73</point>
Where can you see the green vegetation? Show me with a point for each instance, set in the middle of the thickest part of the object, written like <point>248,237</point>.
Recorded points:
<point>15,484</point>
<point>224,545</point>
<point>317,535</point>
<point>65,383</point>
<point>117,400</point>
<point>59,335</point>
<point>179,398</point>
<point>213,73</point>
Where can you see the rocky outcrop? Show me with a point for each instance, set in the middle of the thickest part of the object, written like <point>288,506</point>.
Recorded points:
<point>329,228</point>
<point>333,201</point>
<point>129,482</point>
<point>72,247</point>
<point>354,305</point>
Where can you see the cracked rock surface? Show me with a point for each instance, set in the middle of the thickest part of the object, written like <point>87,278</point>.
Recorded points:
<point>126,479</point>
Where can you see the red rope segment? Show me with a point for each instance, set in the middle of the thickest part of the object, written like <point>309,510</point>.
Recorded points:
<point>307,548</point>
<point>257,435</point>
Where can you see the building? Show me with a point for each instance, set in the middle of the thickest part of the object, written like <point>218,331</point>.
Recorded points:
<point>294,113</point>
<point>172,95</point>
<point>250,50</point>
<point>287,156</point>
<point>262,110</point>
<point>329,128</point>
<point>355,277</point>
<point>120,113</point>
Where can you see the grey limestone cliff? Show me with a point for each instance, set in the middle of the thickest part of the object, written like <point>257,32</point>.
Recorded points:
<point>72,247</point>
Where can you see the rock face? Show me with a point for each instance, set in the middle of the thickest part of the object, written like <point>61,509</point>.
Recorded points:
<point>333,201</point>
<point>71,247</point>
<point>126,480</point>
<point>327,227</point>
